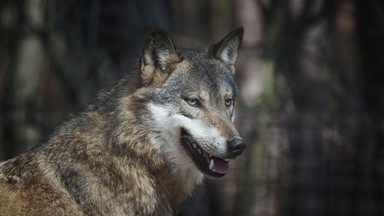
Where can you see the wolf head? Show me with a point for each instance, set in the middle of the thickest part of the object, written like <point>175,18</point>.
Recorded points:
<point>191,108</point>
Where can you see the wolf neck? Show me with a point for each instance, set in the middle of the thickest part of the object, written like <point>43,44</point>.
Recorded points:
<point>185,174</point>
<point>175,181</point>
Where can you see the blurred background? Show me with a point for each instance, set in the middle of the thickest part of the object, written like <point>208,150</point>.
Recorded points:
<point>311,74</point>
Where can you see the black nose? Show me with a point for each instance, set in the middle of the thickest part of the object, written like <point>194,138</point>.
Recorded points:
<point>236,147</point>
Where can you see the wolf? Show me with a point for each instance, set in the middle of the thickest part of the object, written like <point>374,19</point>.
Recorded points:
<point>143,145</point>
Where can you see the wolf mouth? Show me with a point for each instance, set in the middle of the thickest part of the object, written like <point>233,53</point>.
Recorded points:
<point>205,162</point>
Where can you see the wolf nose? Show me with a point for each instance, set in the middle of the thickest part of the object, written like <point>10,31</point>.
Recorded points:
<point>236,147</point>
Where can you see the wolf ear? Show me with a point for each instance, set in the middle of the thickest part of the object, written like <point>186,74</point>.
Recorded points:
<point>159,57</point>
<point>227,49</point>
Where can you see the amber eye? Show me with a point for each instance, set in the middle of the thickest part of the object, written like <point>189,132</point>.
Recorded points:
<point>192,101</point>
<point>228,102</point>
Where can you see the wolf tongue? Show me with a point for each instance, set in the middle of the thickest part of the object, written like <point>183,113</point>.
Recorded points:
<point>220,166</point>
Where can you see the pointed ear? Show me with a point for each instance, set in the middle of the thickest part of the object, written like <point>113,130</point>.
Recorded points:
<point>227,49</point>
<point>159,57</point>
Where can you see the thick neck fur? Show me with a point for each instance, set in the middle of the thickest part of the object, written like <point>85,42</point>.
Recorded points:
<point>131,141</point>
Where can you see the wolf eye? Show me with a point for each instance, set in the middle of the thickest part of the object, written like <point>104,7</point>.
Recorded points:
<point>192,101</point>
<point>228,102</point>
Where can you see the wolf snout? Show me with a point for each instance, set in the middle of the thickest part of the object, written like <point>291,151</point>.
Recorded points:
<point>236,147</point>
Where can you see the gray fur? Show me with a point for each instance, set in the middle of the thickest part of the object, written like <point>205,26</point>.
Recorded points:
<point>123,155</point>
